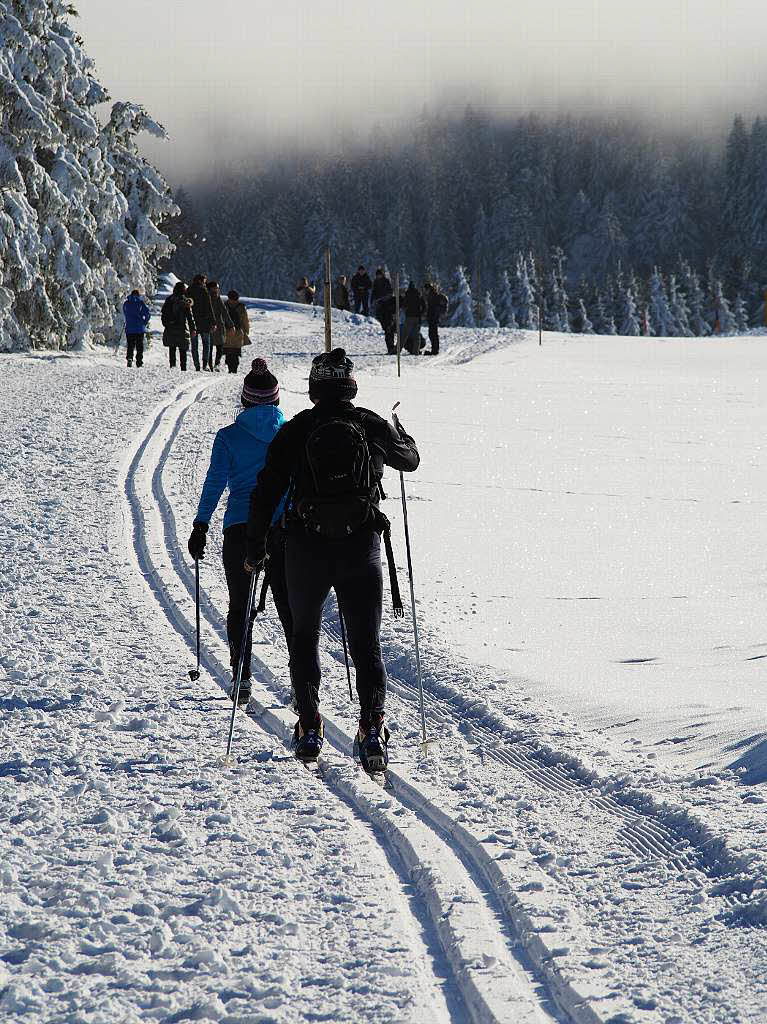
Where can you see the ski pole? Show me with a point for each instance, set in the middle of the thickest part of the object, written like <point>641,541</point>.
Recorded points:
<point>194,673</point>
<point>424,740</point>
<point>241,660</point>
<point>346,654</point>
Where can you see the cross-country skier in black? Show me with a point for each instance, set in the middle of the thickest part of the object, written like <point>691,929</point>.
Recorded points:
<point>436,307</point>
<point>239,451</point>
<point>330,459</point>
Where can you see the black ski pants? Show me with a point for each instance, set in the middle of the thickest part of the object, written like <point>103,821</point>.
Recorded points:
<point>362,302</point>
<point>352,567</point>
<point>181,355</point>
<point>238,583</point>
<point>434,336</point>
<point>135,347</point>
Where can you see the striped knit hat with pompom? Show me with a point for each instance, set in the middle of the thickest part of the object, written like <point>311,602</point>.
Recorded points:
<point>260,386</point>
<point>331,378</point>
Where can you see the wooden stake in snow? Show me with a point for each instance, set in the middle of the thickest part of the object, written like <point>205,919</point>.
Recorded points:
<point>396,316</point>
<point>327,297</point>
<point>540,329</point>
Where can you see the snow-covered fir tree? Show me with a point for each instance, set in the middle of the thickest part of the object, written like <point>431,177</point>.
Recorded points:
<point>661,320</point>
<point>740,312</point>
<point>724,321</point>
<point>524,297</point>
<point>487,312</point>
<point>679,309</point>
<point>462,304</point>
<point>79,208</point>
<point>691,286</point>
<point>582,322</point>
<point>629,323</point>
<point>505,311</point>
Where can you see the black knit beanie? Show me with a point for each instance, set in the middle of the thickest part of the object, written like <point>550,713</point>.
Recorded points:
<point>260,386</point>
<point>331,377</point>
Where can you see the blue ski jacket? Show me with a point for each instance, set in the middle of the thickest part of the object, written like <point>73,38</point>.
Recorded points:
<point>136,313</point>
<point>239,453</point>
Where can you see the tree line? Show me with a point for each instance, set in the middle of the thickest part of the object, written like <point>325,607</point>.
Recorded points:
<point>612,221</point>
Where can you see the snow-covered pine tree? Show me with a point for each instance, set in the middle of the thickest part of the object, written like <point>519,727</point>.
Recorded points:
<point>79,209</point>
<point>524,297</point>
<point>629,324</point>
<point>582,322</point>
<point>740,312</point>
<point>487,315</point>
<point>693,291</point>
<point>661,320</point>
<point>462,304</point>
<point>679,309</point>
<point>505,313</point>
<point>722,313</point>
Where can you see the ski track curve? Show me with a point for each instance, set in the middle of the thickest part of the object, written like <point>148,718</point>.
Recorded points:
<point>468,920</point>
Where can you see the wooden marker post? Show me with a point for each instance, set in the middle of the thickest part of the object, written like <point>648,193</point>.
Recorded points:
<point>540,328</point>
<point>399,336</point>
<point>327,297</point>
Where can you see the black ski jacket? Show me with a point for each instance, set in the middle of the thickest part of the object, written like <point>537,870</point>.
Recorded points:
<point>414,304</point>
<point>381,287</point>
<point>361,283</point>
<point>387,446</point>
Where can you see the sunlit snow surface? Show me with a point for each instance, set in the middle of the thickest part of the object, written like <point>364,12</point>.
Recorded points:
<point>586,527</point>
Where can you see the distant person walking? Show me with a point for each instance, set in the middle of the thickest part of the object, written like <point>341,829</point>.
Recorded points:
<point>238,335</point>
<point>238,455</point>
<point>306,291</point>
<point>361,286</point>
<point>178,323</point>
<point>381,287</point>
<point>386,312</point>
<point>137,315</point>
<point>341,294</point>
<point>205,320</point>
<point>414,307</point>
<point>223,323</point>
<point>436,307</point>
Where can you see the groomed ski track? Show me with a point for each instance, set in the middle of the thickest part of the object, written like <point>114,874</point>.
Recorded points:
<point>493,984</point>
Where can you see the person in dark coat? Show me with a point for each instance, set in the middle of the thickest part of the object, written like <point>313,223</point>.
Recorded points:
<point>137,315</point>
<point>436,307</point>
<point>240,335</point>
<point>361,286</point>
<point>178,323</point>
<point>386,312</point>
<point>239,452</point>
<point>222,320</point>
<point>341,294</point>
<point>205,320</point>
<point>314,562</point>
<point>414,307</point>
<point>381,287</point>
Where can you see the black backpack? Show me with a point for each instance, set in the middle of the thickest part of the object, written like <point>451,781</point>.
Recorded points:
<point>172,315</point>
<point>337,480</point>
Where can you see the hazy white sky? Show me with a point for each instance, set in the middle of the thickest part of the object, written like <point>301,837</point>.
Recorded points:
<point>224,74</point>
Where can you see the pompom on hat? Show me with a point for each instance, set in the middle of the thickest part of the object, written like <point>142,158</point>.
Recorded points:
<point>260,386</point>
<point>331,377</point>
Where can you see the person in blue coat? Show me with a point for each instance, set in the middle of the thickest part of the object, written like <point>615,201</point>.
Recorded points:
<point>239,453</point>
<point>137,314</point>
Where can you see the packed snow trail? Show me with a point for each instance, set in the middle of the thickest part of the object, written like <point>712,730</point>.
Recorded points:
<point>141,881</point>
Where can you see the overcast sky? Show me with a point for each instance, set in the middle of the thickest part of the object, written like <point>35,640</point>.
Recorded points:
<point>229,76</point>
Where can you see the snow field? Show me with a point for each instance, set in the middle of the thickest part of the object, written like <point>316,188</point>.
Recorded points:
<point>554,768</point>
<point>536,863</point>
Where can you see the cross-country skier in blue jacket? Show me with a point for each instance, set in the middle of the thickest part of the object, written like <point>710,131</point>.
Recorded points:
<point>239,453</point>
<point>137,315</point>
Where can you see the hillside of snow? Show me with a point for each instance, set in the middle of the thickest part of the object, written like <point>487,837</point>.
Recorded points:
<point>585,840</point>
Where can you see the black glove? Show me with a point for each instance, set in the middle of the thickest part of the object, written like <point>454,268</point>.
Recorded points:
<point>255,556</point>
<point>196,543</point>
<point>400,429</point>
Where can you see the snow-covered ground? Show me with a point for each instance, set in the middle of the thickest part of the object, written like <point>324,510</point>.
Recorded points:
<point>586,525</point>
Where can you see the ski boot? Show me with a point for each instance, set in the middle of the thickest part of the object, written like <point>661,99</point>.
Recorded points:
<point>307,743</point>
<point>244,695</point>
<point>371,744</point>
